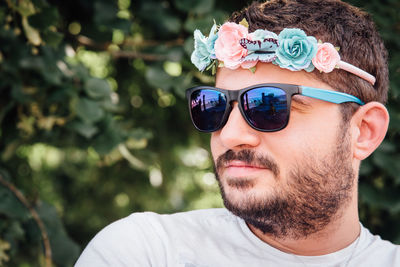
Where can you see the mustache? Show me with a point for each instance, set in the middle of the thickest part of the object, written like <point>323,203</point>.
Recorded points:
<point>249,157</point>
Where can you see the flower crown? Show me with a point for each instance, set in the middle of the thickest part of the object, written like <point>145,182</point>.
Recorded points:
<point>232,46</point>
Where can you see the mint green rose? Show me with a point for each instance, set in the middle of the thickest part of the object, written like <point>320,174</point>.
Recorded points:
<point>296,50</point>
<point>204,51</point>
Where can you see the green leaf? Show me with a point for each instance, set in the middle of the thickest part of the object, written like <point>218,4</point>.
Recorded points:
<point>109,138</point>
<point>97,88</point>
<point>105,12</point>
<point>2,15</point>
<point>64,250</point>
<point>47,16</point>
<point>181,83</point>
<point>84,129</point>
<point>205,23</point>
<point>10,206</point>
<point>366,167</point>
<point>4,247</point>
<point>52,38</point>
<point>158,78</point>
<point>170,23</point>
<point>244,23</point>
<point>88,110</point>
<point>195,6</point>
<point>31,33</point>
<point>175,54</point>
<point>140,133</point>
<point>25,8</point>
<point>214,69</point>
<point>188,46</point>
<point>387,199</point>
<point>389,163</point>
<point>162,20</point>
<point>387,147</point>
<point>15,231</point>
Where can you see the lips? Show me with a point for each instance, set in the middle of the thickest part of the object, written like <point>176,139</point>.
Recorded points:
<point>242,164</point>
<point>238,168</point>
<point>245,163</point>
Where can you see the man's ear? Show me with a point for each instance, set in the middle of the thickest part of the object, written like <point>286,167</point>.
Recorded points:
<point>370,124</point>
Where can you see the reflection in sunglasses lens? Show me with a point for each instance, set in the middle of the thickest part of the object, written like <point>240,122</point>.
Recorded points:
<point>207,108</point>
<point>265,107</point>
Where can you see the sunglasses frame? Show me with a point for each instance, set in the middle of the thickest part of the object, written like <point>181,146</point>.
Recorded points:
<point>289,89</point>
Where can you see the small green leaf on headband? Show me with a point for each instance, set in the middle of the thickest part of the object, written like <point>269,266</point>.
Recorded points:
<point>221,64</point>
<point>210,66</point>
<point>244,23</point>
<point>320,41</point>
<point>214,69</point>
<point>253,69</point>
<point>337,48</point>
<point>216,28</point>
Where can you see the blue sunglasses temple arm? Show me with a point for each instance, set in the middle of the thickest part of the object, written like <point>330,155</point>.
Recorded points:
<point>330,96</point>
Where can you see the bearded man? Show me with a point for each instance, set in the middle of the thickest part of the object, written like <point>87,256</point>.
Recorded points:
<point>291,119</point>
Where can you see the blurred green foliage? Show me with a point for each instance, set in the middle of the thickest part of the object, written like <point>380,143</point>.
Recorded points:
<point>94,123</point>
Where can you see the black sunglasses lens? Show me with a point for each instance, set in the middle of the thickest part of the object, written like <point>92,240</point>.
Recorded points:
<point>266,108</point>
<point>207,108</point>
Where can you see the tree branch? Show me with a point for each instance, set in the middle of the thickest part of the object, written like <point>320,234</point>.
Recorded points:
<point>177,42</point>
<point>36,217</point>
<point>131,54</point>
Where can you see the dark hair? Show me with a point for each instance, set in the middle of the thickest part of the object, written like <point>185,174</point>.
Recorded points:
<point>335,22</point>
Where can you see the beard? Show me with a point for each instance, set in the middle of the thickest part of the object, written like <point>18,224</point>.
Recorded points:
<point>318,188</point>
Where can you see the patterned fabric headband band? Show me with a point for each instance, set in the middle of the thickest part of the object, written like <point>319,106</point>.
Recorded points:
<point>232,46</point>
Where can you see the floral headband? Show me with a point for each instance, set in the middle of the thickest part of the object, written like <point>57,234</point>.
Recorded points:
<point>232,46</point>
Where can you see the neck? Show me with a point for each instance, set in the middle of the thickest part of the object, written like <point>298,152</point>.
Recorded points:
<point>338,234</point>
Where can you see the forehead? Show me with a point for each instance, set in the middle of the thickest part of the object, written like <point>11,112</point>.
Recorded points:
<point>265,73</point>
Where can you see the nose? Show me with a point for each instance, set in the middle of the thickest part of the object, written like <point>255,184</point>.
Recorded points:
<point>237,133</point>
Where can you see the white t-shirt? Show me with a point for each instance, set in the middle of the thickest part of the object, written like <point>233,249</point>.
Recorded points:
<point>214,238</point>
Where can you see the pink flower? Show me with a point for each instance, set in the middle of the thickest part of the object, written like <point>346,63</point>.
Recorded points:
<point>227,47</point>
<point>327,57</point>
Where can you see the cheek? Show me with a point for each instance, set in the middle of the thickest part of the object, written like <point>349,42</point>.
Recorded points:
<point>324,130</point>
<point>306,133</point>
<point>214,145</point>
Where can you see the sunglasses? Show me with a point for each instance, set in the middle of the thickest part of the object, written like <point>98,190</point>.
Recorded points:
<point>265,107</point>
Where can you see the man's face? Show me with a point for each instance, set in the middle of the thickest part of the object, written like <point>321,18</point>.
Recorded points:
<point>289,183</point>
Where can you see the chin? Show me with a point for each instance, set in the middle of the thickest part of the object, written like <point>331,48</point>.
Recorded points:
<point>242,192</point>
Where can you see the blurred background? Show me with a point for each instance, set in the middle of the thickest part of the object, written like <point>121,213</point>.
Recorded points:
<point>94,123</point>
